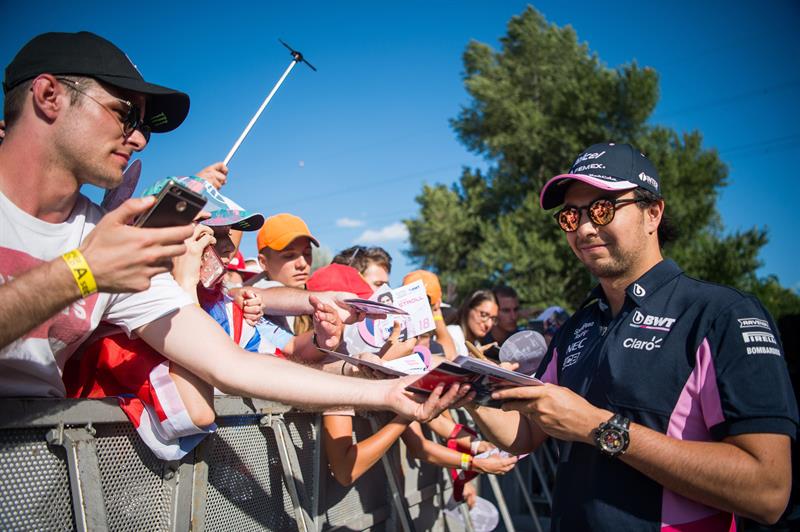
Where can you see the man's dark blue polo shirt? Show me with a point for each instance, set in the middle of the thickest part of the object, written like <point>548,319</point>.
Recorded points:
<point>690,359</point>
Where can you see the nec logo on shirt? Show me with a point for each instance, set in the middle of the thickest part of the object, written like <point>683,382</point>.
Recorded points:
<point>649,321</point>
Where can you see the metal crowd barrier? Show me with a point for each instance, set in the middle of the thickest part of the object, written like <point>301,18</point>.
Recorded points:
<point>78,464</point>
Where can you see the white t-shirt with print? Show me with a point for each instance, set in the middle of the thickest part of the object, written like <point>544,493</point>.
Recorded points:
<point>32,365</point>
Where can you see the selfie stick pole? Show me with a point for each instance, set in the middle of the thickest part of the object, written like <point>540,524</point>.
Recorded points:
<point>297,57</point>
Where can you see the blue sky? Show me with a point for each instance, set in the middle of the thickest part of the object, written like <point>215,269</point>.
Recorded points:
<point>349,147</point>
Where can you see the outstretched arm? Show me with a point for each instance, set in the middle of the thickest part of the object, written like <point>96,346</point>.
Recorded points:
<point>748,474</point>
<point>348,460</point>
<point>422,448</point>
<point>192,339</point>
<point>122,259</point>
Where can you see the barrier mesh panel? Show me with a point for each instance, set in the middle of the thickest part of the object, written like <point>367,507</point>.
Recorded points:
<point>34,483</point>
<point>368,494</point>
<point>245,480</point>
<point>304,438</point>
<point>131,477</point>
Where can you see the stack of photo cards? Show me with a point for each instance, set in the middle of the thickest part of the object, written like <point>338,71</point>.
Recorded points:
<point>483,377</point>
<point>408,304</point>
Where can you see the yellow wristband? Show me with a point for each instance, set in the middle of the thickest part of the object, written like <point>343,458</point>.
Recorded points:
<point>438,317</point>
<point>81,272</point>
<point>466,461</point>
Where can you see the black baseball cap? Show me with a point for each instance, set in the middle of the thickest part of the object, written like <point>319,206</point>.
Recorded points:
<point>608,166</point>
<point>87,54</point>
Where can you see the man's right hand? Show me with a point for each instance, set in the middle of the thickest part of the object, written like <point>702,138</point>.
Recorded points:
<point>124,258</point>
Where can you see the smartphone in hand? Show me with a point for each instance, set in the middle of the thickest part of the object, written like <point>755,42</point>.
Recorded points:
<point>211,267</point>
<point>175,205</point>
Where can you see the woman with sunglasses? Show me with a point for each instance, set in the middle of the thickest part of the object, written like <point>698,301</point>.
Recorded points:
<point>473,321</point>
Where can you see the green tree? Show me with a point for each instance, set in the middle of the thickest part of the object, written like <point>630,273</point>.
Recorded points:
<point>535,104</point>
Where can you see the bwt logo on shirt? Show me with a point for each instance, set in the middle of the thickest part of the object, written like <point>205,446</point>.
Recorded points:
<point>649,321</point>
<point>759,337</point>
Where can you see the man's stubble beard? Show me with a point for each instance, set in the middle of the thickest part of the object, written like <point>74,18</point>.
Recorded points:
<point>80,157</point>
<point>618,263</point>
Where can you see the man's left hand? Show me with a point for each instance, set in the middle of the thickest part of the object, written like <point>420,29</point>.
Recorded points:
<point>560,412</point>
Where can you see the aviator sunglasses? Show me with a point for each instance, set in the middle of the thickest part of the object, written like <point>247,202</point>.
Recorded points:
<point>601,212</point>
<point>132,119</point>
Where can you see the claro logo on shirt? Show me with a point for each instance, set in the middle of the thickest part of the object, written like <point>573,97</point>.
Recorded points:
<point>642,345</point>
<point>649,321</point>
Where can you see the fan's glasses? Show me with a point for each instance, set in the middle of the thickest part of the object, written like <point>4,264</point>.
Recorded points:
<point>130,119</point>
<point>601,212</point>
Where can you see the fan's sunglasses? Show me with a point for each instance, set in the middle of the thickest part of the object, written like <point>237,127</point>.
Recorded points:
<point>601,212</point>
<point>130,120</point>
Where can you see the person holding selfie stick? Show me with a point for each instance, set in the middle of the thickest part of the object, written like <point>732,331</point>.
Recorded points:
<point>66,266</point>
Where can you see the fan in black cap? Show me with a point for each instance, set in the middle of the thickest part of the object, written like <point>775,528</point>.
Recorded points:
<point>87,54</point>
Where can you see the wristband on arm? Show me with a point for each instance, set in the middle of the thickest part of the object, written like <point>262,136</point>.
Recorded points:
<point>80,272</point>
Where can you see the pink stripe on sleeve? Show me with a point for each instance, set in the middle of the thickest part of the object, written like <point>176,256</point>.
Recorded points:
<point>698,408</point>
<point>551,373</point>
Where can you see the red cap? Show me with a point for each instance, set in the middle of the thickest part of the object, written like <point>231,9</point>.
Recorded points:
<point>340,278</point>
<point>237,264</point>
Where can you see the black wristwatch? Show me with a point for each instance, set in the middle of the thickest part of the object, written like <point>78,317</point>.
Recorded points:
<point>612,437</point>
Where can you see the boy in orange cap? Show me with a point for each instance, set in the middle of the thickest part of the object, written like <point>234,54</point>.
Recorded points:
<point>434,291</point>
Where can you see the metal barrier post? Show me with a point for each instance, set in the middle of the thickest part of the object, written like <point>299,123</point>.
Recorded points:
<point>501,503</point>
<point>542,479</point>
<point>292,474</point>
<point>397,497</point>
<point>317,479</point>
<point>84,475</point>
<point>527,497</point>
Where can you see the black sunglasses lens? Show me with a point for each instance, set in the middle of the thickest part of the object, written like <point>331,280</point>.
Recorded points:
<point>133,122</point>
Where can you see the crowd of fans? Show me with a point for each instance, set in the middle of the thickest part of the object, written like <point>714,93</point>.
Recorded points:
<point>128,312</point>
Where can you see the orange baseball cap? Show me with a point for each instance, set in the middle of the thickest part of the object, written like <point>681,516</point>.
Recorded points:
<point>431,282</point>
<point>280,230</point>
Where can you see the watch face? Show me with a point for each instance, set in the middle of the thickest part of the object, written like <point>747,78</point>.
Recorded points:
<point>611,441</point>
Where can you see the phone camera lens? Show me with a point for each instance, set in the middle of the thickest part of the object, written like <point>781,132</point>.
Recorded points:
<point>180,206</point>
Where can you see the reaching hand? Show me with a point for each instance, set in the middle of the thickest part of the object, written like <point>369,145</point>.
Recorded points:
<point>216,174</point>
<point>186,267</point>
<point>495,464</point>
<point>352,370</point>
<point>327,324</point>
<point>394,348</point>
<point>124,258</point>
<point>420,408</point>
<point>252,309</point>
